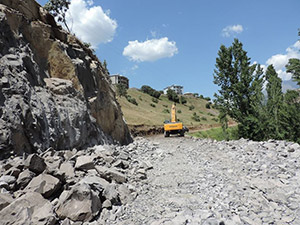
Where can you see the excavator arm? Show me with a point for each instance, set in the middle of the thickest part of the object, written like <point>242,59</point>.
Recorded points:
<point>174,127</point>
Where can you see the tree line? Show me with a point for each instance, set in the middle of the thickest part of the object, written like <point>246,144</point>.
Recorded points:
<point>275,115</point>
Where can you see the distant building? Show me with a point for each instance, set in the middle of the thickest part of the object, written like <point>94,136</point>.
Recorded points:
<point>177,88</point>
<point>119,79</point>
<point>190,94</point>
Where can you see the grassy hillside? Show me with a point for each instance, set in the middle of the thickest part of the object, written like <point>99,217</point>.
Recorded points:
<point>149,113</point>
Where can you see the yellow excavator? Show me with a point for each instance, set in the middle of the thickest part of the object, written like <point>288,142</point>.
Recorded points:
<point>173,126</point>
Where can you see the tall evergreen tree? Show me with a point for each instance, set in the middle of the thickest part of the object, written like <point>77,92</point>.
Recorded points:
<point>274,104</point>
<point>291,116</point>
<point>293,67</point>
<point>241,85</point>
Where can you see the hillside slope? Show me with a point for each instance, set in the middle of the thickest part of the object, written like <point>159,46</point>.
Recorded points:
<point>144,116</point>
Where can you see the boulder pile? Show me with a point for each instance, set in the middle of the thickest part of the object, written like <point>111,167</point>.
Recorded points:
<point>70,186</point>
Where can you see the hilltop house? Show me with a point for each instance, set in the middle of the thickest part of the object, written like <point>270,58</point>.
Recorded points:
<point>177,88</point>
<point>119,79</point>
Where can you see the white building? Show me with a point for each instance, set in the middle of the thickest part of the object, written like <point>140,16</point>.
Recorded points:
<point>177,88</point>
<point>119,79</point>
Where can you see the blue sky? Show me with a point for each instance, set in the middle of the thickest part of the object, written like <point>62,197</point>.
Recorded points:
<point>165,42</point>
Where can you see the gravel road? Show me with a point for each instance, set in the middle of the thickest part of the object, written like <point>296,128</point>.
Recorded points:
<point>200,181</point>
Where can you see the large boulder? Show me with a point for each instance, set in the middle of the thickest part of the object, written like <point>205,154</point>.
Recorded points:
<point>35,163</point>
<point>44,184</point>
<point>111,174</point>
<point>30,208</point>
<point>53,91</point>
<point>81,203</point>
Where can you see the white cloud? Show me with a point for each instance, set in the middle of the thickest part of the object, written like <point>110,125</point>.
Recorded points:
<point>231,30</point>
<point>135,67</point>
<point>150,50</point>
<point>90,23</point>
<point>280,60</point>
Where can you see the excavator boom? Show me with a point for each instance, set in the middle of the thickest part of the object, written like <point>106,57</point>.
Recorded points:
<point>174,127</point>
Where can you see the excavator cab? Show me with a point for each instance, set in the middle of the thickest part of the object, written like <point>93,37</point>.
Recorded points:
<point>174,126</point>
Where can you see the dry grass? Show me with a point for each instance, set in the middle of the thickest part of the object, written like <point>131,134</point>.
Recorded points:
<point>145,114</point>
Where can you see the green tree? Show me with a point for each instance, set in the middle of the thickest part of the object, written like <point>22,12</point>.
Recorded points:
<point>241,86</point>
<point>274,104</point>
<point>121,90</point>
<point>58,8</point>
<point>172,96</point>
<point>291,116</point>
<point>150,91</point>
<point>105,66</point>
<point>293,67</point>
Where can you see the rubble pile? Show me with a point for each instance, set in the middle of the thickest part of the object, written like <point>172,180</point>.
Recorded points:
<point>70,186</point>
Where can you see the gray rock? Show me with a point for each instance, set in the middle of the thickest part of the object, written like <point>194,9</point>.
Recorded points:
<point>85,163</point>
<point>13,172</point>
<point>81,203</point>
<point>35,163</point>
<point>111,174</point>
<point>8,179</point>
<point>294,147</point>
<point>125,194</point>
<point>68,169</point>
<point>95,182</point>
<point>53,91</point>
<point>44,184</point>
<point>121,164</point>
<point>24,178</point>
<point>5,200</point>
<point>107,204</point>
<point>111,194</point>
<point>31,208</point>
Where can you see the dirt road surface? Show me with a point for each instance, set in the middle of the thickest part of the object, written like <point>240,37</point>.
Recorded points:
<point>194,181</point>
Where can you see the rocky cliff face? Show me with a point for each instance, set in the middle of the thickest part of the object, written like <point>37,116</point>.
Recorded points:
<point>54,91</point>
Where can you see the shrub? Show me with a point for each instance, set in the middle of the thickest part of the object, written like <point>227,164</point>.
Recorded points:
<point>165,106</point>
<point>152,105</point>
<point>155,100</point>
<point>182,100</point>
<point>195,117</point>
<point>191,107</point>
<point>131,100</point>
<point>166,111</point>
<point>215,119</point>
<point>208,105</point>
<point>203,118</point>
<point>140,98</point>
<point>179,111</point>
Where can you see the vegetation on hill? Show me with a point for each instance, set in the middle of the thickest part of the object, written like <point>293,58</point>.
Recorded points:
<point>150,91</point>
<point>153,112</point>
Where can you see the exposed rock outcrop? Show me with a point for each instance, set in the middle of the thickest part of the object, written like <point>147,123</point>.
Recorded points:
<point>53,91</point>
